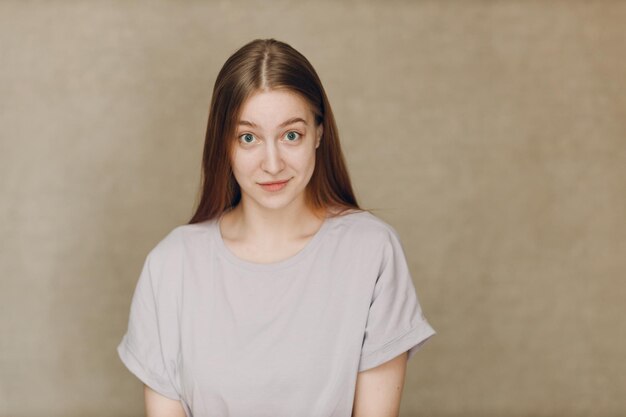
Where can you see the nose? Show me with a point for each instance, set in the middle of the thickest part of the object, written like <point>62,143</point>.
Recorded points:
<point>272,160</point>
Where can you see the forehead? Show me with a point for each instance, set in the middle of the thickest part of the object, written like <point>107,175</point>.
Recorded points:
<point>270,108</point>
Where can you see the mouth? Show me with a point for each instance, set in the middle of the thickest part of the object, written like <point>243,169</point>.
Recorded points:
<point>273,185</point>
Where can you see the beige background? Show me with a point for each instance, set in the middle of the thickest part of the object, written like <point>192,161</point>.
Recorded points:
<point>492,135</point>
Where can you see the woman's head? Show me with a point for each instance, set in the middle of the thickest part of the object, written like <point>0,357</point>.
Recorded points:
<point>263,66</point>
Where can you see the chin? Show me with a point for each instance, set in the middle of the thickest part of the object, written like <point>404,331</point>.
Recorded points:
<point>274,205</point>
<point>276,202</point>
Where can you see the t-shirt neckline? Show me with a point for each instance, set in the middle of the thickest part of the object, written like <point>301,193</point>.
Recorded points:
<point>225,252</point>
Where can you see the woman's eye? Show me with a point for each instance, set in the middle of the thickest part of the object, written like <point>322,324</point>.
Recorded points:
<point>246,138</point>
<point>292,136</point>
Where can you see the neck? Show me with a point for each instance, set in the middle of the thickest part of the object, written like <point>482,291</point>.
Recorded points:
<point>249,222</point>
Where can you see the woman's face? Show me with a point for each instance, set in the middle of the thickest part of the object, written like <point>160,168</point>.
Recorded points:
<point>273,155</point>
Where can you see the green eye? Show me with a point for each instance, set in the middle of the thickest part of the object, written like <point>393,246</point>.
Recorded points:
<point>292,136</point>
<point>246,138</point>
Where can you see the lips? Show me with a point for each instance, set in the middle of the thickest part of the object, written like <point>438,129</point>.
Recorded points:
<point>274,185</point>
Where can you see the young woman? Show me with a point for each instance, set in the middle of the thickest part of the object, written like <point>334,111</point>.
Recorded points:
<point>281,297</point>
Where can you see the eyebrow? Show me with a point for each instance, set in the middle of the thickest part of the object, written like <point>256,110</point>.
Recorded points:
<point>283,124</point>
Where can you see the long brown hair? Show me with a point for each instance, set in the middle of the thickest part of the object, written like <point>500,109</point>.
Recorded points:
<point>266,64</point>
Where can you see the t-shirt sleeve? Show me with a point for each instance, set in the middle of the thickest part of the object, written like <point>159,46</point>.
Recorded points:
<point>395,323</point>
<point>144,348</point>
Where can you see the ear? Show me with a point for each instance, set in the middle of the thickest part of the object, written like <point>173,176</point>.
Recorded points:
<point>319,132</point>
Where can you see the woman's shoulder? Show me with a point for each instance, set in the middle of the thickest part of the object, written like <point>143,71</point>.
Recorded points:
<point>362,224</point>
<point>181,238</point>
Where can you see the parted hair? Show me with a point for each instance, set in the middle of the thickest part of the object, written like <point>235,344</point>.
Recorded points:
<point>262,65</point>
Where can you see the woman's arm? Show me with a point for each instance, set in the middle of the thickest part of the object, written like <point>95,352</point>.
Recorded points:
<point>160,406</point>
<point>379,390</point>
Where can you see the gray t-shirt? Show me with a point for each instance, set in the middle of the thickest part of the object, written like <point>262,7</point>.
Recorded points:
<point>228,337</point>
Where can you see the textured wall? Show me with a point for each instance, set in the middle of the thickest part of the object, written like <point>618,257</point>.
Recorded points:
<point>492,135</point>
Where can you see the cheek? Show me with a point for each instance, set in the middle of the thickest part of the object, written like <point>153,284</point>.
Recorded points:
<point>301,158</point>
<point>307,161</point>
<point>242,162</point>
